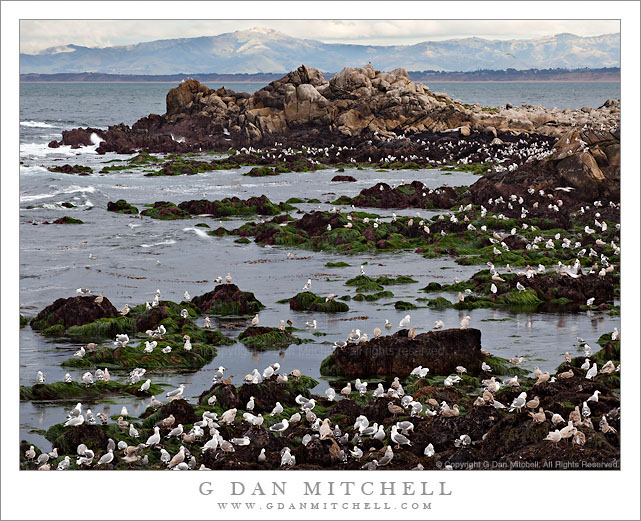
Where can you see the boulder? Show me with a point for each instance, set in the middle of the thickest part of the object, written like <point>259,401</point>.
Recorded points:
<point>181,409</point>
<point>74,311</point>
<point>228,299</point>
<point>397,355</point>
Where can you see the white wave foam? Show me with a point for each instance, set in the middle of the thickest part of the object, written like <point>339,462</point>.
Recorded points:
<point>41,150</point>
<point>161,243</point>
<point>36,124</point>
<point>69,190</point>
<point>200,233</point>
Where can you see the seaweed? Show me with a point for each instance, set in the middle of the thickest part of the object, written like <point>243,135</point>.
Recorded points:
<point>308,301</point>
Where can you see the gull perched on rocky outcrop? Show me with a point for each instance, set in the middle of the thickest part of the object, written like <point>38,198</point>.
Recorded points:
<point>592,372</point>
<point>176,393</point>
<point>280,427</point>
<point>519,402</point>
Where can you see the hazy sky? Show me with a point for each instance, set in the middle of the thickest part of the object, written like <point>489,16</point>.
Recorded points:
<point>36,35</point>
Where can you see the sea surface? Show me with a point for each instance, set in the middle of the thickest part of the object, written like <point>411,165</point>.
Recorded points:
<point>135,257</point>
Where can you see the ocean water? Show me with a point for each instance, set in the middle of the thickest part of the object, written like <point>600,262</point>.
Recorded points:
<point>135,257</point>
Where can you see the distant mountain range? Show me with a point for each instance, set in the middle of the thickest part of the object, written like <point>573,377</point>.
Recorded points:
<point>268,51</point>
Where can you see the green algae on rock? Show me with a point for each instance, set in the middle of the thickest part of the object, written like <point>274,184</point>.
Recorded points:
<point>365,284</point>
<point>76,391</point>
<point>308,301</point>
<point>166,211</point>
<point>122,206</point>
<point>267,338</point>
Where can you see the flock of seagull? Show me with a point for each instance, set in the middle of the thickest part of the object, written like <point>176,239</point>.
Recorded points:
<point>206,430</point>
<point>399,434</point>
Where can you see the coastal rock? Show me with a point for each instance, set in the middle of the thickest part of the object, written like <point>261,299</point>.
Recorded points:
<point>228,299</point>
<point>74,311</point>
<point>304,108</point>
<point>181,409</point>
<point>121,206</point>
<point>343,178</point>
<point>413,195</point>
<point>151,319</point>
<point>93,436</point>
<point>397,355</point>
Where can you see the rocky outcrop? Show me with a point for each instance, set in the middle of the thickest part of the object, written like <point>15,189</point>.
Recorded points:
<point>74,311</point>
<point>414,195</point>
<point>397,355</point>
<point>343,179</point>
<point>586,164</point>
<point>227,299</point>
<point>304,108</point>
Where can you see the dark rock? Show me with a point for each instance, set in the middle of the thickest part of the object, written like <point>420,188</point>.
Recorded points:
<point>344,178</point>
<point>69,169</point>
<point>121,206</point>
<point>227,299</point>
<point>397,355</point>
<point>323,453</point>
<point>74,311</point>
<point>93,436</point>
<point>151,318</point>
<point>182,410</point>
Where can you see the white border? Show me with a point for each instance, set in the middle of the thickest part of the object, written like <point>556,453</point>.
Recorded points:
<point>477,495</point>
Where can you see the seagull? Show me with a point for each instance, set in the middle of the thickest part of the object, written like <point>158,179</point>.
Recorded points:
<point>387,457</point>
<point>106,459</point>
<point>83,291</point>
<point>520,286</point>
<point>594,397</point>
<point>178,458</point>
<point>176,393</point>
<point>405,321</point>
<point>330,393</point>
<point>187,296</point>
<point>228,416</point>
<point>154,439</point>
<point>518,402</point>
<point>124,310</point>
<point>486,368</point>
<point>278,408</point>
<point>439,324</point>
<point>398,438</point>
<point>175,432</point>
<point>388,324</point>
<point>465,321</point>
<point>592,372</point>
<point>554,436</point>
<point>280,427</point>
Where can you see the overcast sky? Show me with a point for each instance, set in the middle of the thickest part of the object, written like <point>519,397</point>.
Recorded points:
<point>36,35</point>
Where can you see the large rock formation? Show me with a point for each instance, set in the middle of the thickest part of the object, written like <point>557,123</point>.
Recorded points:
<point>74,311</point>
<point>397,355</point>
<point>304,108</point>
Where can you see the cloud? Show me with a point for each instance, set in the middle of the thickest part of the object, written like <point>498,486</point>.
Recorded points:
<point>36,35</point>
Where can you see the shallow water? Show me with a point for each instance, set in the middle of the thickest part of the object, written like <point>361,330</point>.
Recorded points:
<point>135,257</point>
